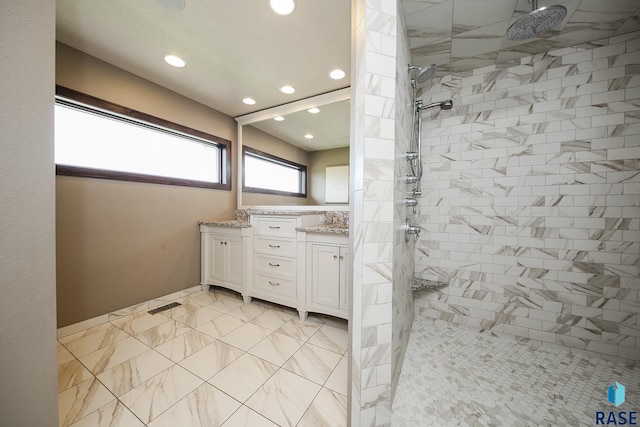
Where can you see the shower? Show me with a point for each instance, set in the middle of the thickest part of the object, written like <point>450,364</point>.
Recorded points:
<point>537,22</point>
<point>414,155</point>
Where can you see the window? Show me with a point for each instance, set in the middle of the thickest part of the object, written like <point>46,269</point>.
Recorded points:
<point>95,138</point>
<point>264,173</point>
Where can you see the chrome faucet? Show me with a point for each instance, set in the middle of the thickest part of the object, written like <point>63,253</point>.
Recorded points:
<point>410,229</point>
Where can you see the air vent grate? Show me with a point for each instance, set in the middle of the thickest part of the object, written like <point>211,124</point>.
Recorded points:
<point>164,307</point>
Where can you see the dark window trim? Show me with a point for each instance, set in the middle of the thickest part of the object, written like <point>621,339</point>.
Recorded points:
<point>268,156</point>
<point>140,118</point>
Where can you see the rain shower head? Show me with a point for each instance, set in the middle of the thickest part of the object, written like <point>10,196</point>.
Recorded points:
<point>537,22</point>
<point>444,105</point>
<point>424,73</point>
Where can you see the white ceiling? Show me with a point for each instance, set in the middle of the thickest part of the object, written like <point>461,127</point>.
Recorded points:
<point>240,48</point>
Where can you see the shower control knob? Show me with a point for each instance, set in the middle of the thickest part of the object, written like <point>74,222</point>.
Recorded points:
<point>411,179</point>
<point>410,201</point>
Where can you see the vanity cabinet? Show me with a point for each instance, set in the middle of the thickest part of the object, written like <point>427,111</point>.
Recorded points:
<point>222,253</point>
<point>328,275</point>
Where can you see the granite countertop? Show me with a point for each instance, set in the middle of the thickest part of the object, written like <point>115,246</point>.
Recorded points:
<point>322,228</point>
<point>227,223</point>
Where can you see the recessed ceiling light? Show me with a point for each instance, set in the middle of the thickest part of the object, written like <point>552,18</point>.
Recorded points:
<point>175,61</point>
<point>313,110</point>
<point>282,7</point>
<point>287,89</point>
<point>278,118</point>
<point>337,74</point>
<point>249,101</point>
<point>308,136</point>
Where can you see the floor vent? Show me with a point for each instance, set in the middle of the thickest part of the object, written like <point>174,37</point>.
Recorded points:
<point>163,308</point>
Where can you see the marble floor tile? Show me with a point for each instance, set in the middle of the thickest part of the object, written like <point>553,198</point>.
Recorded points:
<point>241,378</point>
<point>247,312</point>
<point>246,336</point>
<point>226,304</point>
<point>273,400</point>
<point>220,326</point>
<point>245,417</point>
<point>327,409</point>
<point>313,363</point>
<point>206,406</point>
<point>64,355</point>
<point>113,414</point>
<point>298,329</point>
<point>186,306</point>
<point>129,374</point>
<point>272,319</point>
<point>276,348</point>
<point>80,400</point>
<point>337,381</point>
<point>204,298</point>
<point>184,345</point>
<point>162,333</point>
<point>198,317</point>
<point>108,357</point>
<point>211,359</point>
<point>96,341</point>
<point>102,327</point>
<point>139,322</point>
<point>71,374</point>
<point>151,398</point>
<point>137,308</point>
<point>331,338</point>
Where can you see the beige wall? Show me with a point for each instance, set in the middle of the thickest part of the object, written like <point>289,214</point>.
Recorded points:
<point>121,243</point>
<point>259,140</point>
<point>318,162</point>
<point>28,392</point>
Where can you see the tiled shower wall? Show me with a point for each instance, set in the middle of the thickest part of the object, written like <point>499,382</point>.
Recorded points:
<point>532,199</point>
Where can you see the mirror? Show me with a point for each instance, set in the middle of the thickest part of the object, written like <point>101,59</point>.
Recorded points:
<point>280,132</point>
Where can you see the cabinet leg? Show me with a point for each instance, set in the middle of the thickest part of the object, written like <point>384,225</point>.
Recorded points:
<point>205,288</point>
<point>303,315</point>
<point>246,299</point>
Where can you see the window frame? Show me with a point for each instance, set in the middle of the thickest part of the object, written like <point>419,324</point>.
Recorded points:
<point>275,159</point>
<point>82,101</point>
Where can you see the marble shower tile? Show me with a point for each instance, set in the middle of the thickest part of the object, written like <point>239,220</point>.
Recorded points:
<point>241,378</point>
<point>211,359</point>
<point>284,409</point>
<point>206,406</point>
<point>129,374</point>
<point>151,398</point>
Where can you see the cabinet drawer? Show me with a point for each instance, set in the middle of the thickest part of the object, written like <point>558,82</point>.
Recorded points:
<point>275,246</point>
<point>275,266</point>
<point>275,285</point>
<point>284,227</point>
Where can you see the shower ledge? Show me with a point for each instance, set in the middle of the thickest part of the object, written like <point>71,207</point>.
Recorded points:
<point>424,284</point>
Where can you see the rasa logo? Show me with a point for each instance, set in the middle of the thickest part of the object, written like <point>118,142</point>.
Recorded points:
<point>615,396</point>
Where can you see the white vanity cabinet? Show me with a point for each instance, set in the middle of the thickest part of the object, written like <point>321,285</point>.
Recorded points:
<point>328,274</point>
<point>222,252</point>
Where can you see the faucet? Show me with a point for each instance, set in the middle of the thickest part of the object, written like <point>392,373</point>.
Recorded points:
<point>410,229</point>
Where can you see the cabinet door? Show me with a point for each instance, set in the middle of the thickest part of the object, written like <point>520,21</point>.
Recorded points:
<point>325,275</point>
<point>217,260</point>
<point>234,259</point>
<point>345,277</point>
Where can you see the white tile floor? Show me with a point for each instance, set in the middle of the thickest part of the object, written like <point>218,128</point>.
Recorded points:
<point>212,361</point>
<point>453,376</point>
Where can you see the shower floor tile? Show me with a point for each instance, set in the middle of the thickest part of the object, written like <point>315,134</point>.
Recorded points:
<point>456,376</point>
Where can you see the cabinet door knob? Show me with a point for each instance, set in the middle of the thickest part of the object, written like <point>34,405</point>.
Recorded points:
<point>274,265</point>
<point>274,284</point>
<point>274,246</point>
<point>335,257</point>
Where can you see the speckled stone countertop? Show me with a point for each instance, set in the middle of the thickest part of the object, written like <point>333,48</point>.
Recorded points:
<point>227,223</point>
<point>423,284</point>
<point>330,229</point>
<point>281,212</point>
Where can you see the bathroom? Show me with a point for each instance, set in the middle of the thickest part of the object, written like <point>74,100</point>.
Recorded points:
<point>508,294</point>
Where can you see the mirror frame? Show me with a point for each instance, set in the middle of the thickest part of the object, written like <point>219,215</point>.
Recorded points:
<point>281,110</point>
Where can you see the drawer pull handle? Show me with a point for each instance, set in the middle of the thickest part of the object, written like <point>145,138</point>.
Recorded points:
<point>274,227</point>
<point>341,257</point>
<point>274,265</point>
<point>274,284</point>
<point>274,246</point>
